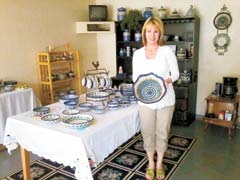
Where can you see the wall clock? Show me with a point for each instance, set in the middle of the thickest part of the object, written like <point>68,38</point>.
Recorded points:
<point>222,21</point>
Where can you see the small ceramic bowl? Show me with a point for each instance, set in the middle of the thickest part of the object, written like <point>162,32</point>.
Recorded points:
<point>69,97</point>
<point>98,109</point>
<point>9,88</point>
<point>85,106</point>
<point>40,111</point>
<point>71,104</point>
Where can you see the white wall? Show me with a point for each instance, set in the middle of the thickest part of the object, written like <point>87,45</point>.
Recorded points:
<point>27,27</point>
<point>212,67</point>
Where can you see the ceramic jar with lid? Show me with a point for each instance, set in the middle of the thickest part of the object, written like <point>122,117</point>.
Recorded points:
<point>162,12</point>
<point>121,13</point>
<point>137,36</point>
<point>126,36</point>
<point>147,13</point>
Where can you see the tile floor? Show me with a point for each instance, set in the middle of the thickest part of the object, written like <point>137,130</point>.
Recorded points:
<point>213,157</point>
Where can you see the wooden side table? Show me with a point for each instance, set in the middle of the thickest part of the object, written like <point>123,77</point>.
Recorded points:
<point>216,105</point>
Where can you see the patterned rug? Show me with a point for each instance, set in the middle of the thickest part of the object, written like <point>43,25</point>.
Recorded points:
<point>128,162</point>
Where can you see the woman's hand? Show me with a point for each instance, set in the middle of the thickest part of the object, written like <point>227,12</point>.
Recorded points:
<point>168,81</point>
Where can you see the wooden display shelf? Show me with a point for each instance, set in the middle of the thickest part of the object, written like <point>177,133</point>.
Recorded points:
<point>53,64</point>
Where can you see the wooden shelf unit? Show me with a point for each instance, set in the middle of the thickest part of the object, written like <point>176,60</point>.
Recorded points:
<point>217,104</point>
<point>53,63</point>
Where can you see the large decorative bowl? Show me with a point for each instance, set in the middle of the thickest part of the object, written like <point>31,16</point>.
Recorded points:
<point>50,119</point>
<point>149,88</point>
<point>78,120</point>
<point>97,96</point>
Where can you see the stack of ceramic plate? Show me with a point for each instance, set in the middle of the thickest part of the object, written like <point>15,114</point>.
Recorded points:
<point>126,89</point>
<point>132,99</point>
<point>113,105</point>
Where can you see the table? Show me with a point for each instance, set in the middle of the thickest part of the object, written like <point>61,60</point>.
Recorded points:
<point>217,105</point>
<point>68,146</point>
<point>15,102</point>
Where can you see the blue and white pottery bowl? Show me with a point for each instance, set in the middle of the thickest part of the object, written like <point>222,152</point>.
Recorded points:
<point>69,97</point>
<point>78,121</point>
<point>85,106</point>
<point>50,119</point>
<point>98,109</point>
<point>71,104</point>
<point>40,111</point>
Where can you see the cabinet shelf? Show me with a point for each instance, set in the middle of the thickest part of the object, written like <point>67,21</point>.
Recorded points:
<point>52,65</point>
<point>219,122</point>
<point>188,31</point>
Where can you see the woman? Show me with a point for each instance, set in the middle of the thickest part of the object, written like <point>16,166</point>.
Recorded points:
<point>155,118</point>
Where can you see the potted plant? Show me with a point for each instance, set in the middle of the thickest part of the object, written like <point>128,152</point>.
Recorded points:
<point>131,20</point>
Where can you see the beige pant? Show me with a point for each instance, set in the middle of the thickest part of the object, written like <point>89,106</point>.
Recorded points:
<point>155,127</point>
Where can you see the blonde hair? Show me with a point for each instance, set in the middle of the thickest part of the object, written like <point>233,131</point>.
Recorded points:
<point>153,21</point>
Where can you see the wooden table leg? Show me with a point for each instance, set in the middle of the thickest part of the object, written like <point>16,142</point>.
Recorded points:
<point>25,163</point>
<point>229,133</point>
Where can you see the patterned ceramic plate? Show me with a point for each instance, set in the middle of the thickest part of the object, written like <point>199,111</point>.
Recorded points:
<point>78,121</point>
<point>149,88</point>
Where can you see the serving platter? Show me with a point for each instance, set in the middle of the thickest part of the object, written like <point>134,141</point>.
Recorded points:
<point>78,120</point>
<point>149,88</point>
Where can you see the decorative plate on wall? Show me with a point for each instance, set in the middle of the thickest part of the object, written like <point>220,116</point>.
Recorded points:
<point>221,41</point>
<point>222,20</point>
<point>149,88</point>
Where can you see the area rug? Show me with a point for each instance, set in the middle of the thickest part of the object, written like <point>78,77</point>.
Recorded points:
<point>127,162</point>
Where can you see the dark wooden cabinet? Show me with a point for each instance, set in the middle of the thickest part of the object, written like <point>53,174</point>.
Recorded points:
<point>183,38</point>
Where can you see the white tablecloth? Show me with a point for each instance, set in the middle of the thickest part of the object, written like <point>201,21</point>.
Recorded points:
<point>15,102</point>
<point>69,146</point>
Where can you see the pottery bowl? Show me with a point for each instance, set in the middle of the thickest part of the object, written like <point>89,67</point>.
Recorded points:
<point>71,104</point>
<point>69,97</point>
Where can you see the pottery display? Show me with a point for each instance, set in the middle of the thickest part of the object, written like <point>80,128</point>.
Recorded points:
<point>162,12</point>
<point>147,12</point>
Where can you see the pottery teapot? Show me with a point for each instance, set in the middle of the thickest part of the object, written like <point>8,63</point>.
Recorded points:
<point>147,12</point>
<point>185,76</point>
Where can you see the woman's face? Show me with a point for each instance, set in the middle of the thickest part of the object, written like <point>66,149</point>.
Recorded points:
<point>152,34</point>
